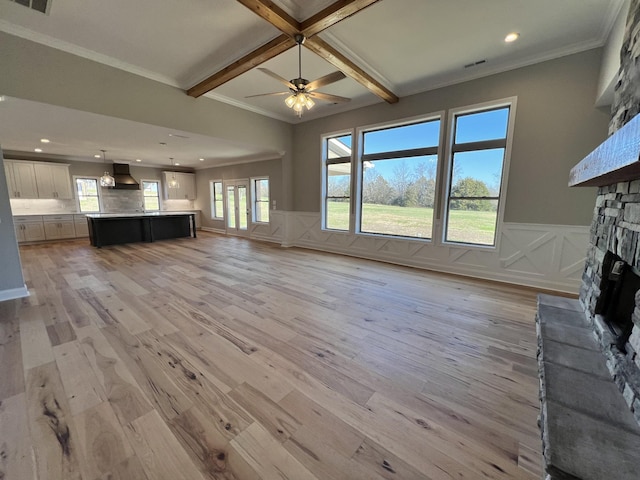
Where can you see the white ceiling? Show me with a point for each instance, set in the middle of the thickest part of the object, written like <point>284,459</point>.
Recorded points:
<point>410,46</point>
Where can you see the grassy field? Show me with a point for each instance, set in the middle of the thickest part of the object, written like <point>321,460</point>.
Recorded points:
<point>465,226</point>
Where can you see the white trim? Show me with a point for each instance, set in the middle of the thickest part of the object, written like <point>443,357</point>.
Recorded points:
<point>453,113</point>
<point>213,230</point>
<point>212,197</point>
<point>13,293</point>
<point>75,192</point>
<point>151,180</point>
<point>535,255</point>
<point>252,197</point>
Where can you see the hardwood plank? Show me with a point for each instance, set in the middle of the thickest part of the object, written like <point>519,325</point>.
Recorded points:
<point>121,389</point>
<point>11,373</point>
<point>267,456</point>
<point>36,347</point>
<point>53,435</point>
<point>102,442</point>
<point>16,459</point>
<point>80,383</point>
<point>162,456</point>
<point>258,362</point>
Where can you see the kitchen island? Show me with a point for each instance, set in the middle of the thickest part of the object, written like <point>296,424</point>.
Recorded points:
<point>119,228</point>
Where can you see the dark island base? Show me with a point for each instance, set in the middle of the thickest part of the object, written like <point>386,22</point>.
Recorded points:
<point>130,229</point>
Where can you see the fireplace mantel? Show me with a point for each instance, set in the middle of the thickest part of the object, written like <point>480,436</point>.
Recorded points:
<point>617,159</point>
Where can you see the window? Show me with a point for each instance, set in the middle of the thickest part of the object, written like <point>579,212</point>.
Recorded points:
<point>478,155</point>
<point>398,168</point>
<point>260,192</point>
<point>337,181</point>
<point>151,195</point>
<point>88,194</point>
<point>216,195</point>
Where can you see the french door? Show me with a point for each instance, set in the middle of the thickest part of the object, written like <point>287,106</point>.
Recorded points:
<point>238,207</point>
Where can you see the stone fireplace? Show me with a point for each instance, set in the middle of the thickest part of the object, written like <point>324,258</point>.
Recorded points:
<point>589,350</point>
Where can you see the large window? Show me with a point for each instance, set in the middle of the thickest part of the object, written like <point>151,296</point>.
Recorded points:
<point>217,208</point>
<point>260,192</point>
<point>88,194</point>
<point>151,195</point>
<point>398,167</point>
<point>476,165</point>
<point>337,156</point>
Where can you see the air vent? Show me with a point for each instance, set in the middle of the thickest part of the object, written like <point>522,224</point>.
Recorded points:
<point>475,64</point>
<point>41,6</point>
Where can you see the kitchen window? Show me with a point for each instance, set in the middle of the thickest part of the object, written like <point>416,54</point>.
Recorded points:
<point>151,195</point>
<point>217,202</point>
<point>260,192</point>
<point>88,194</point>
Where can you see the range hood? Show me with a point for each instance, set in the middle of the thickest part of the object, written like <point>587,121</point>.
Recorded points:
<point>124,180</point>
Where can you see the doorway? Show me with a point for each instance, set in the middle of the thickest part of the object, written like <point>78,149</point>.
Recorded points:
<point>238,211</point>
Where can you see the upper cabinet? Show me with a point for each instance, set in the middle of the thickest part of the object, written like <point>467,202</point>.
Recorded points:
<point>53,180</point>
<point>186,188</point>
<point>38,180</point>
<point>21,179</point>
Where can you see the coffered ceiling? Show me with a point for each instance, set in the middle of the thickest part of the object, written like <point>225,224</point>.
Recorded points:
<point>404,46</point>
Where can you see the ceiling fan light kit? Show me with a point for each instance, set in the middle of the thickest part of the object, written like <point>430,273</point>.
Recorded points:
<point>302,90</point>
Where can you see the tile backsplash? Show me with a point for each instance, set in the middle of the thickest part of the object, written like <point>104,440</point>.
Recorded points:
<point>113,201</point>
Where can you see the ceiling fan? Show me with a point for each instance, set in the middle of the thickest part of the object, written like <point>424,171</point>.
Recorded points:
<point>302,91</point>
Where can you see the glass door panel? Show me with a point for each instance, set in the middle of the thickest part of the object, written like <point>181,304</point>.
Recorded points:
<point>242,207</point>
<point>231,206</point>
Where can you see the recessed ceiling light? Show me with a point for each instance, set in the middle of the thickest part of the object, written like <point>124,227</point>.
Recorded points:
<point>176,163</point>
<point>45,140</point>
<point>37,150</point>
<point>97,155</point>
<point>512,37</point>
<point>202,159</point>
<point>162,144</point>
<point>138,160</point>
<point>2,99</point>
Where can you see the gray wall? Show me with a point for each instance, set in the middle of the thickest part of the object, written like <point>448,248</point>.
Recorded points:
<point>268,168</point>
<point>36,72</point>
<point>10,267</point>
<point>556,126</point>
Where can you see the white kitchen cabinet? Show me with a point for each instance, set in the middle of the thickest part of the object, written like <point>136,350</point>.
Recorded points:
<point>59,226</point>
<point>21,179</point>
<point>81,225</point>
<point>29,228</point>
<point>53,180</point>
<point>186,189</point>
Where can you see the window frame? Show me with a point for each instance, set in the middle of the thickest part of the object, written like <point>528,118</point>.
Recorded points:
<point>452,148</point>
<point>255,201</point>
<point>424,151</point>
<point>212,196</point>
<point>324,175</point>
<point>144,203</point>
<point>77,197</point>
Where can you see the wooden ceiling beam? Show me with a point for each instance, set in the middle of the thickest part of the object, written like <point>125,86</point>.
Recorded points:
<point>346,66</point>
<point>266,52</point>
<point>274,15</point>
<point>290,27</point>
<point>333,14</point>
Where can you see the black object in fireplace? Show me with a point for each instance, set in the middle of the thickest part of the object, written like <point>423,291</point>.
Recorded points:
<point>617,301</point>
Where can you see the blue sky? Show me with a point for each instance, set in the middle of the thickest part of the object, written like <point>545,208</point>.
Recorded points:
<point>484,165</point>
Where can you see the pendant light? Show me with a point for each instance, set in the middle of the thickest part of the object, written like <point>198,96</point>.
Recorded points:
<point>106,180</point>
<point>173,183</point>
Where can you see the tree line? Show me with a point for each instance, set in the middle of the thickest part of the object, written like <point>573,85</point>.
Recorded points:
<point>414,188</point>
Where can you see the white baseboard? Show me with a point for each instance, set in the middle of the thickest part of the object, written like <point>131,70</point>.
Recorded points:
<point>13,293</point>
<point>213,230</point>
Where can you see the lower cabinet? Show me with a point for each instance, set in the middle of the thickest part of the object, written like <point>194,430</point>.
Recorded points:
<point>81,225</point>
<point>59,226</point>
<point>30,231</point>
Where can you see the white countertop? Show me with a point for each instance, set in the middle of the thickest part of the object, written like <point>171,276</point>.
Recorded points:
<point>137,214</point>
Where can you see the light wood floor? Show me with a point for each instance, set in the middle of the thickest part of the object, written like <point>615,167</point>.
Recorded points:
<point>222,358</point>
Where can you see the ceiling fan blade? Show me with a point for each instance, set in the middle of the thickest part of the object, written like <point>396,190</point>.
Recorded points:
<point>328,97</point>
<point>278,77</point>
<point>326,80</point>
<point>268,94</point>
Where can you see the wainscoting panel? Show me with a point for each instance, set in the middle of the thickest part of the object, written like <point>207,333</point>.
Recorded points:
<point>544,256</point>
